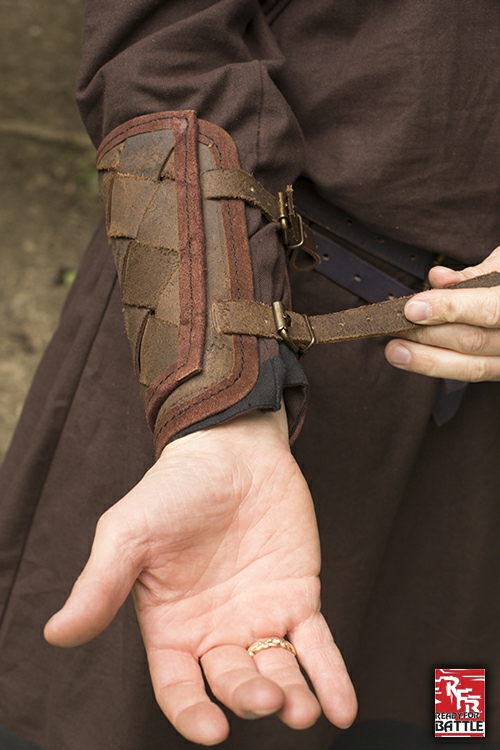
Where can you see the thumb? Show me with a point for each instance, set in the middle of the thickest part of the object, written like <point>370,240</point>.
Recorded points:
<point>440,276</point>
<point>99,592</point>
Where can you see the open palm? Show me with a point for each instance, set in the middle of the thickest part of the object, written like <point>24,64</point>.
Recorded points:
<point>219,541</point>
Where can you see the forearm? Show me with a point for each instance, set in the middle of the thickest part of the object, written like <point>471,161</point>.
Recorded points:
<point>217,58</point>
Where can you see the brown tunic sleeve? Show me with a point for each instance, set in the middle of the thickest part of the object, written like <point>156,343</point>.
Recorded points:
<point>217,59</point>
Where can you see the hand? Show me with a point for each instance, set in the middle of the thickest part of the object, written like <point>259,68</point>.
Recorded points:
<point>460,333</point>
<point>219,541</point>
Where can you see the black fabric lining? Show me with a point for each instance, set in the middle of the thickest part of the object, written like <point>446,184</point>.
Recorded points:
<point>275,376</point>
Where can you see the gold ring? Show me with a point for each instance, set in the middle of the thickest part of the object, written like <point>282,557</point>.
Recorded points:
<point>266,643</point>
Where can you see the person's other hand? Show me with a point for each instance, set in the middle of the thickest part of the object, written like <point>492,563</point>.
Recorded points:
<point>459,337</point>
<point>219,542</point>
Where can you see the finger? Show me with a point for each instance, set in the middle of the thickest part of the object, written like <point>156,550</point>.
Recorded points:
<point>235,680</point>
<point>459,337</point>
<point>479,307</point>
<point>98,593</point>
<point>181,695</point>
<point>440,276</point>
<point>442,363</point>
<point>300,709</point>
<point>323,662</point>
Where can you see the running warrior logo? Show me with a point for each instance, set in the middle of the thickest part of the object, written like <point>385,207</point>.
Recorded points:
<point>459,703</point>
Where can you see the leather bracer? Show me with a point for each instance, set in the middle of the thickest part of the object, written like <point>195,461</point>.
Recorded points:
<point>204,343</point>
<point>176,254</point>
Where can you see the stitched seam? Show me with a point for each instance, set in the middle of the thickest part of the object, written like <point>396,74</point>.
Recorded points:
<point>188,221</point>
<point>237,377</point>
<point>206,397</point>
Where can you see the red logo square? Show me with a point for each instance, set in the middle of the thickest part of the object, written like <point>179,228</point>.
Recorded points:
<point>459,703</point>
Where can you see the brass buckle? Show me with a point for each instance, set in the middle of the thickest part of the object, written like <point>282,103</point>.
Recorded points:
<point>282,320</point>
<point>290,221</point>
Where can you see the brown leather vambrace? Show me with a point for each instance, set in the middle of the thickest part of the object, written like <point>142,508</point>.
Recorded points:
<point>176,253</point>
<point>205,309</point>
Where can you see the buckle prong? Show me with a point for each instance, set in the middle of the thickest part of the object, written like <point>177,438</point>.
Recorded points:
<point>298,219</point>
<point>306,348</point>
<point>290,221</point>
<point>282,321</point>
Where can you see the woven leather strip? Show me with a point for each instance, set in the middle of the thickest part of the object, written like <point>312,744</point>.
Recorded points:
<point>176,252</point>
<point>381,319</point>
<point>235,183</point>
<point>138,205</point>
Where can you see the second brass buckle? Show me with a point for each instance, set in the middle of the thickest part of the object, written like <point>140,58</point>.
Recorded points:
<point>282,320</point>
<point>290,221</point>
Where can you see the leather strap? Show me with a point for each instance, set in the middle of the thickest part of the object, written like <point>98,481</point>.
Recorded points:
<point>236,183</point>
<point>355,274</point>
<point>381,319</point>
<point>339,237</point>
<point>341,227</point>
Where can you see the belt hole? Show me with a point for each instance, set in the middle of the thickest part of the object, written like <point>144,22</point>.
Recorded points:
<point>357,277</point>
<point>326,256</point>
<point>348,221</point>
<point>390,296</point>
<point>380,240</point>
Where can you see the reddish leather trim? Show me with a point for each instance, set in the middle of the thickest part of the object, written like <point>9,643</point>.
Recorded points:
<point>192,270</point>
<point>142,124</point>
<point>245,369</point>
<point>192,275</point>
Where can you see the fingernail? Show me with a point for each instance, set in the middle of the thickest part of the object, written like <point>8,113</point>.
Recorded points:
<point>398,355</point>
<point>417,310</point>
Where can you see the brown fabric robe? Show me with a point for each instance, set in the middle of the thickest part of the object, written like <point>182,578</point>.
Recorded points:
<point>392,110</point>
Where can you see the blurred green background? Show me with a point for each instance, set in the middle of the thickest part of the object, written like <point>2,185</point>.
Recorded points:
<point>49,203</point>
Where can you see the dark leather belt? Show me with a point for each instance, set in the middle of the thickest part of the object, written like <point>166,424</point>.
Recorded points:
<point>351,255</point>
<point>340,239</point>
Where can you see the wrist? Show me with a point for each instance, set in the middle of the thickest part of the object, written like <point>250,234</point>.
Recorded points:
<point>251,428</point>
